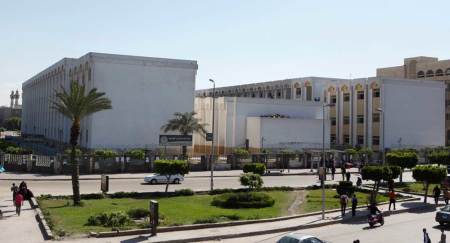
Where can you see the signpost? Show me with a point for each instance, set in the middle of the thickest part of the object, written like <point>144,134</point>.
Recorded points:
<point>104,185</point>
<point>209,137</point>
<point>154,215</point>
<point>175,140</point>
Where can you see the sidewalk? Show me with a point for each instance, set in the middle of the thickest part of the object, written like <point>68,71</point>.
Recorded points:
<point>194,174</point>
<point>15,229</point>
<point>258,228</point>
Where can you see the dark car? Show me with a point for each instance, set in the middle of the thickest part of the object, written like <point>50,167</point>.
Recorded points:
<point>443,215</point>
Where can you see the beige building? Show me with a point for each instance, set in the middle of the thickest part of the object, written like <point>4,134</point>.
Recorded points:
<point>424,68</point>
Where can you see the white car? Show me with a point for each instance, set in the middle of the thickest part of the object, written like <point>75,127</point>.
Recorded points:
<point>300,238</point>
<point>157,178</point>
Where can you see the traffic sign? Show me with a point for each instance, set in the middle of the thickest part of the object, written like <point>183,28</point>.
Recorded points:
<point>175,140</point>
<point>209,136</point>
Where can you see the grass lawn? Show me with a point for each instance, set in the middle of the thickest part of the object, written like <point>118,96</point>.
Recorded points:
<point>173,211</point>
<point>314,200</point>
<point>416,187</point>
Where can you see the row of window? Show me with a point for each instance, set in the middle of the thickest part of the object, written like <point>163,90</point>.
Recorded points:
<point>359,119</point>
<point>359,95</point>
<point>431,73</point>
<point>359,139</point>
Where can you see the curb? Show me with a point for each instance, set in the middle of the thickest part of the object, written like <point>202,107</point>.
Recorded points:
<point>226,224</point>
<point>48,235</point>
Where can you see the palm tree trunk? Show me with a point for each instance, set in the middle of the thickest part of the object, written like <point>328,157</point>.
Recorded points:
<point>74,133</point>
<point>184,151</point>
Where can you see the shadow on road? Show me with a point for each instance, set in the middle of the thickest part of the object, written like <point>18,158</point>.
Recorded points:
<point>136,239</point>
<point>419,207</point>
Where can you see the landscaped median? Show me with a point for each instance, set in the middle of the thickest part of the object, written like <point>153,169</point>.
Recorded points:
<point>122,211</point>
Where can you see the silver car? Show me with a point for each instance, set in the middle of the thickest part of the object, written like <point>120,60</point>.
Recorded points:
<point>157,178</point>
<point>300,238</point>
<point>443,216</point>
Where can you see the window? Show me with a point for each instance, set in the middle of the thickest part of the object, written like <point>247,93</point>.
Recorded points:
<point>376,93</point>
<point>309,93</point>
<point>261,94</point>
<point>333,99</point>
<point>333,138</point>
<point>447,72</point>
<point>360,139</point>
<point>430,73</point>
<point>375,140</point>
<point>333,121</point>
<point>346,120</point>
<point>270,95</point>
<point>375,117</point>
<point>439,72</point>
<point>360,119</point>
<point>253,95</point>
<point>288,94</point>
<point>278,94</point>
<point>360,95</point>
<point>420,74</point>
<point>89,75</point>
<point>346,97</point>
<point>316,99</point>
<point>298,92</point>
<point>346,139</point>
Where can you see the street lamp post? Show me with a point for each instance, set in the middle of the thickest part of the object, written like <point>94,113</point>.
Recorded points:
<point>379,109</point>
<point>323,177</point>
<point>211,164</point>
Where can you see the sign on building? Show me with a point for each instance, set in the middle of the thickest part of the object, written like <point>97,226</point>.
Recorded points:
<point>209,136</point>
<point>175,140</point>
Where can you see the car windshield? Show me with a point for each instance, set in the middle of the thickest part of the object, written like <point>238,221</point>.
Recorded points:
<point>446,208</point>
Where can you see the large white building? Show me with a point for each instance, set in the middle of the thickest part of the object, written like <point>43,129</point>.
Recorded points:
<point>144,91</point>
<point>411,112</point>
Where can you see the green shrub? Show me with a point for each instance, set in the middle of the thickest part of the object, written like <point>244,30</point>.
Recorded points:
<point>138,213</point>
<point>124,195</point>
<point>184,192</point>
<point>114,219</point>
<point>17,150</point>
<point>92,196</point>
<point>136,154</point>
<point>345,187</point>
<point>221,191</point>
<point>78,152</point>
<point>209,220</point>
<point>252,181</point>
<point>243,200</point>
<point>255,168</point>
<point>241,153</point>
<point>105,153</point>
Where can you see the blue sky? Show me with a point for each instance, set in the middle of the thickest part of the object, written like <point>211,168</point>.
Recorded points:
<point>234,42</point>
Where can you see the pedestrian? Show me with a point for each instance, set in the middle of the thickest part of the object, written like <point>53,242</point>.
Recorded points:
<point>333,171</point>
<point>356,241</point>
<point>446,195</point>
<point>19,203</point>
<point>343,201</point>
<point>22,186</point>
<point>443,237</point>
<point>343,171</point>
<point>359,182</point>
<point>348,176</point>
<point>426,237</point>
<point>14,190</point>
<point>436,194</point>
<point>354,205</point>
<point>391,185</point>
<point>391,199</point>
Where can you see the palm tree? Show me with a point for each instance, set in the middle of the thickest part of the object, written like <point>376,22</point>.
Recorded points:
<point>184,123</point>
<point>75,105</point>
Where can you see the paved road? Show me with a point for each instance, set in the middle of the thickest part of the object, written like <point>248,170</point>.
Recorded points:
<point>194,183</point>
<point>402,228</point>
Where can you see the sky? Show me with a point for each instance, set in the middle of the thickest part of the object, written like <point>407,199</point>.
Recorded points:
<point>234,41</point>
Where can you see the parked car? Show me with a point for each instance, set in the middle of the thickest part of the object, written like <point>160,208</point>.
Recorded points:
<point>300,238</point>
<point>157,178</point>
<point>443,215</point>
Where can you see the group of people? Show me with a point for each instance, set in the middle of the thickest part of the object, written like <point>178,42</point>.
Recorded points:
<point>426,237</point>
<point>19,194</point>
<point>344,201</point>
<point>437,194</point>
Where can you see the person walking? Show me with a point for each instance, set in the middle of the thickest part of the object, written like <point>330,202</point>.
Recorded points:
<point>347,175</point>
<point>443,237</point>
<point>19,203</point>
<point>333,170</point>
<point>426,237</point>
<point>343,201</point>
<point>391,199</point>
<point>14,190</point>
<point>343,171</point>
<point>354,205</point>
<point>436,194</point>
<point>446,195</point>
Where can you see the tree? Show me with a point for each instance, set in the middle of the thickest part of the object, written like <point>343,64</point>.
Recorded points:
<point>439,157</point>
<point>378,173</point>
<point>252,181</point>
<point>13,123</point>
<point>256,168</point>
<point>168,168</point>
<point>402,158</point>
<point>76,104</point>
<point>429,174</point>
<point>184,123</point>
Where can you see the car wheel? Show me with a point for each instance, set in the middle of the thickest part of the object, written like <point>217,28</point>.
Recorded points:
<point>153,181</point>
<point>176,181</point>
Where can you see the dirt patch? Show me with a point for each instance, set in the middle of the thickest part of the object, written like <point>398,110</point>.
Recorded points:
<point>299,199</point>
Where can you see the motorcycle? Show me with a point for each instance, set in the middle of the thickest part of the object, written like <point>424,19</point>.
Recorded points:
<point>375,218</point>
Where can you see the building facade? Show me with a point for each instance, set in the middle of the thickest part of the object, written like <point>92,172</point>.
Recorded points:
<point>430,68</point>
<point>359,108</point>
<point>138,88</point>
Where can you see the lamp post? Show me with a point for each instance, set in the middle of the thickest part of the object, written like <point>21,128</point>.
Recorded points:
<point>211,163</point>
<point>323,177</point>
<point>380,110</point>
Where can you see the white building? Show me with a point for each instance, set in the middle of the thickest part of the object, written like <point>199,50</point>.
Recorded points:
<point>276,124</point>
<point>144,91</point>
